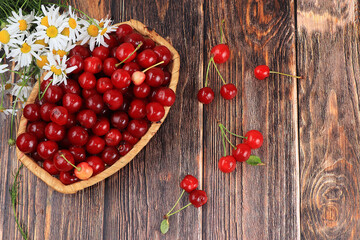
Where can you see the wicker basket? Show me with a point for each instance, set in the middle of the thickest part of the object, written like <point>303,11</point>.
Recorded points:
<point>73,188</point>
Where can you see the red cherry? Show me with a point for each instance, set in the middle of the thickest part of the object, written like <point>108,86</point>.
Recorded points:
<point>62,160</point>
<point>45,83</point>
<point>127,137</point>
<point>53,94</point>
<point>165,96</point>
<point>198,198</point>
<point>104,84</point>
<point>47,149</point>
<point>111,41</point>
<point>163,54</point>
<point>242,152</point>
<point>113,99</point>
<point>45,110</point>
<point>26,142</point>
<point>54,131</point>
<point>189,183</point>
<point>113,138</point>
<point>123,30</point>
<point>71,121</point>
<point>137,128</point>
<point>155,77</point>
<point>220,53</point>
<point>134,38</point>
<point>119,120</point>
<point>110,155</point>
<point>147,58</point>
<point>77,61</point>
<point>228,91</point>
<point>88,92</point>
<point>227,164</point>
<point>121,79</point>
<point>96,164</point>
<point>59,115</point>
<point>109,66</point>
<point>131,67</point>
<point>141,91</point>
<point>148,44</point>
<point>125,50</point>
<point>206,95</point>
<point>101,127</point>
<point>124,148</point>
<point>261,72</point>
<point>72,102</point>
<point>37,128</point>
<point>87,80</point>
<point>137,109</point>
<point>87,118</point>
<point>254,139</point>
<point>167,78</point>
<point>81,51</point>
<point>78,153</point>
<point>154,111</point>
<point>92,65</point>
<point>32,112</point>
<point>72,86</point>
<point>101,52</point>
<point>49,166</point>
<point>95,102</point>
<point>83,171</point>
<point>77,136</point>
<point>95,145</point>
<point>68,178</point>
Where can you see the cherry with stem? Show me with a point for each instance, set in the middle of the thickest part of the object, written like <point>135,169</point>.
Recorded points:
<point>137,48</point>
<point>263,71</point>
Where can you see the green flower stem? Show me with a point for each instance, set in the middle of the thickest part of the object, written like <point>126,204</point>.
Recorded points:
<point>176,203</point>
<point>2,92</point>
<point>157,64</point>
<point>222,79</point>
<point>137,48</point>
<point>180,209</point>
<point>207,72</point>
<point>288,75</point>
<point>15,71</point>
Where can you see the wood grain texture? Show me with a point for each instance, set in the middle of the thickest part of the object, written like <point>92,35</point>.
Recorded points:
<point>328,46</point>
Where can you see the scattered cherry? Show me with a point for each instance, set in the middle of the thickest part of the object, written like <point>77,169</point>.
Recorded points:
<point>262,71</point>
<point>198,198</point>
<point>228,91</point>
<point>206,95</point>
<point>189,183</point>
<point>227,164</point>
<point>254,139</point>
<point>242,152</point>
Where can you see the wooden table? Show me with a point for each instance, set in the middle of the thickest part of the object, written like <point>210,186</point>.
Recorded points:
<point>309,187</point>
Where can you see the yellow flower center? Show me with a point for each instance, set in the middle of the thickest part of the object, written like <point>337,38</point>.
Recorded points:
<point>93,30</point>
<point>4,36</point>
<point>61,53</point>
<point>22,25</point>
<point>56,70</point>
<point>44,21</point>
<point>52,32</point>
<point>66,32</point>
<point>41,63</point>
<point>72,23</point>
<point>41,42</point>
<point>103,31</point>
<point>25,48</point>
<point>8,86</point>
<point>101,24</point>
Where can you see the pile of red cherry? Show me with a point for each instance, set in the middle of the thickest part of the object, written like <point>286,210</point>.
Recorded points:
<point>77,129</point>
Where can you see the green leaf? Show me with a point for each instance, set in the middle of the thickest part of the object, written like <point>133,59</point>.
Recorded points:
<point>254,161</point>
<point>164,227</point>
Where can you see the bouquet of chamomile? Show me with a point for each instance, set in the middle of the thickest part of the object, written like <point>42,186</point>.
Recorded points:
<point>36,38</point>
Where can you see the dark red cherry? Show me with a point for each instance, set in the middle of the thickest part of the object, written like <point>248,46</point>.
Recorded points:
<point>111,41</point>
<point>104,84</point>
<point>96,164</point>
<point>87,80</point>
<point>92,65</point>
<point>134,38</point>
<point>78,153</point>
<point>101,52</point>
<point>109,66</point>
<point>77,136</point>
<point>137,109</point>
<point>86,118</point>
<point>127,137</point>
<point>242,152</point>
<point>123,30</point>
<point>47,149</point>
<point>146,58</point>
<point>53,94</point>
<point>49,166</point>
<point>148,44</point>
<point>119,120</point>
<point>206,95</point>
<point>121,79</point>
<point>32,112</point>
<point>198,198</point>
<point>154,111</point>
<point>113,137</point>
<point>81,51</point>
<point>101,127</point>
<point>37,128</point>
<point>155,77</point>
<point>72,102</point>
<point>137,128</point>
<point>95,145</point>
<point>165,96</point>
<point>124,148</point>
<point>167,78</point>
<point>71,121</point>
<point>68,178</point>
<point>95,103</point>
<point>45,110</point>
<point>77,61</point>
<point>71,86</point>
<point>26,142</point>
<point>113,99</point>
<point>189,183</point>
<point>163,54</point>
<point>54,131</point>
<point>88,92</point>
<point>59,115</point>
<point>61,160</point>
<point>141,91</point>
<point>131,67</point>
<point>228,91</point>
<point>110,155</point>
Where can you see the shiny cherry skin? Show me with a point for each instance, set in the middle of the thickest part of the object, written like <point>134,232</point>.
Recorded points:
<point>113,98</point>
<point>95,103</point>
<point>62,160</point>
<point>198,198</point>
<point>47,149</point>
<point>93,65</point>
<point>124,148</point>
<point>53,94</point>
<point>54,131</point>
<point>142,91</point>
<point>167,78</point>
<point>137,128</point>
<point>83,171</point>
<point>87,118</point>
<point>147,58</point>
<point>72,86</point>
<point>127,137</point>
<point>121,79</point>
<point>78,153</point>
<point>111,42</point>
<point>131,67</point>
<point>35,156</point>
<point>37,128</point>
<point>154,111</point>
<point>137,109</point>
<point>138,78</point>
<point>125,50</point>
<point>87,80</point>
<point>113,137</point>
<point>254,139</point>
<point>123,30</point>
<point>77,61</point>
<point>81,51</point>
<point>148,44</point>
<point>45,111</point>
<point>134,38</point>
<point>206,95</point>
<point>110,155</point>
<point>72,102</point>
<point>165,96</point>
<point>261,72</point>
<point>113,53</point>
<point>155,77</point>
<point>49,166</point>
<point>88,92</point>
<point>26,142</point>
<point>163,54</point>
<point>59,115</point>
<point>101,127</point>
<point>109,66</point>
<point>71,121</point>
<point>125,106</point>
<point>119,120</point>
<point>220,53</point>
<point>45,83</point>
<point>104,84</point>
<point>101,52</point>
<point>77,136</point>
<point>242,152</point>
<point>189,183</point>
<point>227,164</point>
<point>32,112</point>
<point>228,91</point>
<point>96,164</point>
<point>68,178</point>
<point>95,145</point>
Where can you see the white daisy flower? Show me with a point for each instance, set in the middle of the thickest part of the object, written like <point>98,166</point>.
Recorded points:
<point>51,11</point>
<point>18,23</point>
<point>64,51</point>
<point>24,52</point>
<point>3,68</point>
<point>5,112</point>
<point>73,26</point>
<point>22,90</point>
<point>52,33</point>
<point>106,28</point>
<point>57,69</point>
<point>7,39</point>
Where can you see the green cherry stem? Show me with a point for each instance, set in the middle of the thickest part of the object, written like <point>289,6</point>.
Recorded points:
<point>223,141</point>
<point>232,132</point>
<point>176,203</point>
<point>77,168</point>
<point>227,139</point>
<point>222,79</point>
<point>180,209</point>
<point>207,72</point>
<point>157,64</point>
<point>221,31</point>
<point>288,75</point>
<point>42,95</point>
<point>137,48</point>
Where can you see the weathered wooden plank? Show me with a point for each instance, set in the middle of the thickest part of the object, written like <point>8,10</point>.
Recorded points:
<point>142,192</point>
<point>253,202</point>
<point>328,53</point>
